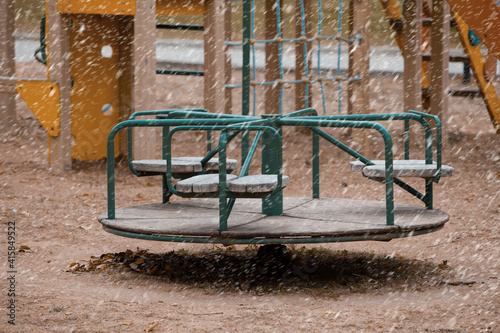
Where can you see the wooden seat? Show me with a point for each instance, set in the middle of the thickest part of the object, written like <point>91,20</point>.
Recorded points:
<point>402,168</point>
<point>209,183</point>
<point>256,184</point>
<point>182,165</point>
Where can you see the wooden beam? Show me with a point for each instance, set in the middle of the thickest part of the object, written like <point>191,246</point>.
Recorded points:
<point>144,74</point>
<point>359,57</point>
<point>272,72</point>
<point>7,63</point>
<point>412,54</point>
<point>301,102</point>
<point>126,77</point>
<point>217,56</point>
<point>439,76</point>
<point>358,92</point>
<point>58,64</point>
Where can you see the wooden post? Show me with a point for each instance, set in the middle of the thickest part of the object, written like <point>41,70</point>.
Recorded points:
<point>439,58</point>
<point>412,55</point>
<point>59,71</point>
<point>7,63</point>
<point>272,72</point>
<point>217,56</point>
<point>358,91</point>
<point>126,77</point>
<point>359,57</point>
<point>144,73</point>
<point>300,57</point>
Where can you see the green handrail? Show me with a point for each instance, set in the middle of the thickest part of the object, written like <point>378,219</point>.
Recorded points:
<point>136,114</point>
<point>389,179</point>
<point>438,141</point>
<point>147,123</point>
<point>223,192</point>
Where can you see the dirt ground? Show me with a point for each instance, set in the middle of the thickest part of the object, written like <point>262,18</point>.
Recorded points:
<point>446,281</point>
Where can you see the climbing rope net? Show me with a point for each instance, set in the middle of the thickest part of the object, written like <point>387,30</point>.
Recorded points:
<point>249,66</point>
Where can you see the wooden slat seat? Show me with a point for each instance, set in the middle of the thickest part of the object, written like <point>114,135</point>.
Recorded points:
<point>256,184</point>
<point>182,165</point>
<point>402,168</point>
<point>207,183</point>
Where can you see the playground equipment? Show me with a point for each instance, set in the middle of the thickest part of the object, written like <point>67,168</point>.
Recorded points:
<point>110,71</point>
<point>481,17</point>
<point>101,65</point>
<point>233,214</point>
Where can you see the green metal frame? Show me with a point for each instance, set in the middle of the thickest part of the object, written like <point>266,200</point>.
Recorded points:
<point>268,130</point>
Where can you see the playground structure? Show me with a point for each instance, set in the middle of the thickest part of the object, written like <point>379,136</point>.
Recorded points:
<point>280,220</point>
<point>126,88</point>
<point>82,103</point>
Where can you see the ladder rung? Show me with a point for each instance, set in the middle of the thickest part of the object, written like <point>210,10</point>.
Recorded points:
<point>453,57</point>
<point>179,26</point>
<point>471,93</point>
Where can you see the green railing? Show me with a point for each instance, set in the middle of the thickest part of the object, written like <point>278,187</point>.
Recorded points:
<point>268,130</point>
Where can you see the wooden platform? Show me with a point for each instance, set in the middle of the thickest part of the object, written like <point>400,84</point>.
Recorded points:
<point>305,220</point>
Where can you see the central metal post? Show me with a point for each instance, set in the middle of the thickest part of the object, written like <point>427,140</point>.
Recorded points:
<point>271,150</point>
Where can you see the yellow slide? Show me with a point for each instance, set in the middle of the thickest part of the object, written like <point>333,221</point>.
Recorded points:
<point>483,17</point>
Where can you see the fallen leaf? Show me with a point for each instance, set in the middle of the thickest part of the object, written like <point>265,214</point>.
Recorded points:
<point>24,248</point>
<point>152,327</point>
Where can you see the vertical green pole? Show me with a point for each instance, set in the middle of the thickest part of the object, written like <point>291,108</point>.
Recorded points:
<point>428,194</point>
<point>110,161</point>
<point>164,189</point>
<point>315,165</point>
<point>389,176</point>
<point>222,182</point>
<point>271,164</point>
<point>209,141</point>
<point>407,139</point>
<point>245,94</point>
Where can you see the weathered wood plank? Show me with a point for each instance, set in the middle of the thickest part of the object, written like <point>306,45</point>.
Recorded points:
<point>208,183</point>
<point>402,168</point>
<point>213,164</point>
<point>256,183</point>
<point>182,165</point>
<point>178,166</point>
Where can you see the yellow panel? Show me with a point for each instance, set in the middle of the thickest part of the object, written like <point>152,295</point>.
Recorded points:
<point>95,95</point>
<point>43,98</point>
<point>109,7</point>
<point>180,7</point>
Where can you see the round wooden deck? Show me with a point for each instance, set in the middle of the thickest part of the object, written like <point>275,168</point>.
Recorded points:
<point>304,220</point>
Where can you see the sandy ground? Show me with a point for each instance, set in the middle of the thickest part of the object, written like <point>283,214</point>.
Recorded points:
<point>454,286</point>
